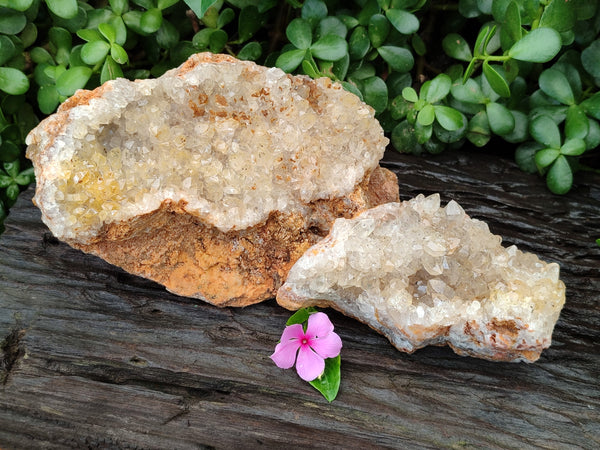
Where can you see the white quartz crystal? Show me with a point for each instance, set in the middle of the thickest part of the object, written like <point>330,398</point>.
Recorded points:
<point>422,274</point>
<point>234,141</point>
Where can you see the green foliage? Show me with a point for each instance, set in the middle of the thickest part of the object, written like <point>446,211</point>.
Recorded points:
<point>438,74</point>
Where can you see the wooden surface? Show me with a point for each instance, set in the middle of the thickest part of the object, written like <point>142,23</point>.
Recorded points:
<point>96,358</point>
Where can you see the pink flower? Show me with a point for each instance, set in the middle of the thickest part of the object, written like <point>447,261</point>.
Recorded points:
<point>319,342</point>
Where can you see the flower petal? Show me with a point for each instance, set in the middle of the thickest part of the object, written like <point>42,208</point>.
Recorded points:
<point>285,353</point>
<point>309,365</point>
<point>328,346</point>
<point>292,332</point>
<point>319,325</point>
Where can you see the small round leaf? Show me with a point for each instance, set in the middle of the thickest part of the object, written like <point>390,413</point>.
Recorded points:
<point>455,46</point>
<point>438,88</point>
<point>108,31</point>
<point>330,48</point>
<point>469,92</point>
<point>545,131</point>
<point>119,54</point>
<point>66,9</point>
<point>426,116</point>
<point>13,81</point>
<point>479,129</point>
<point>525,156</point>
<point>449,118</point>
<point>590,57</point>
<point>250,52</point>
<point>94,52</point>
<point>545,157</point>
<point>399,58</point>
<point>289,61</point>
<point>375,93</point>
<point>359,43</point>
<point>379,28</point>
<point>573,147</point>
<point>403,138</point>
<point>73,79</point>
<point>403,21</point>
<point>12,22</point>
<point>577,123</point>
<point>560,176</point>
<point>501,119</point>
<point>410,94</point>
<point>299,33</point>
<point>555,84</point>
<point>151,20</point>
<point>48,99</point>
<point>539,45</point>
<point>496,80</point>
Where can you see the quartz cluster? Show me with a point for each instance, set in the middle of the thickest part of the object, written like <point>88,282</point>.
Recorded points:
<point>212,179</point>
<point>424,274</point>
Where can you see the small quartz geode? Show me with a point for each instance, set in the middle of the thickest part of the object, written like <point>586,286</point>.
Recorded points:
<point>212,179</point>
<point>421,274</point>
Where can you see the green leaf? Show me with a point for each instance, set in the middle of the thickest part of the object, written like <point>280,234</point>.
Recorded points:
<point>545,131</point>
<point>410,94</point>
<point>330,48</point>
<point>151,20</point>
<point>328,383</point>
<point>89,35</point>
<point>555,84</point>
<point>26,177</point>
<point>119,54</point>
<point>375,93</point>
<point>559,15</point>
<point>501,119</point>
<point>592,140</point>
<point>9,151</point>
<point>310,69</point>
<point>299,33</point>
<point>19,5</point>
<point>48,99</point>
<point>200,6</point>
<point>289,61</point>
<point>13,81</point>
<point>590,57</point>
<point>164,4</point>
<point>249,22</point>
<point>426,116</point>
<point>29,35</point>
<point>520,132</point>
<point>545,157</point>
<point>573,147</point>
<point>511,31</point>
<point>479,129</point>
<point>525,156</point>
<point>299,317</point>
<point>560,176</point>
<point>108,31</point>
<point>456,47</point>
<point>496,80</point>
<point>418,44</point>
<point>577,123</point>
<point>400,59</point>
<point>73,79</point>
<point>119,6</point>
<point>437,89</point>
<point>12,168</point>
<point>7,49</point>
<point>469,92</point>
<point>167,37</point>
<point>12,22</point>
<point>539,45</point>
<point>423,132</point>
<point>201,39</point>
<point>225,17</point>
<point>94,52</point>
<point>403,21</point>
<point>332,25</point>
<point>12,191</point>
<point>5,181</point>
<point>217,41</point>
<point>379,28</point>
<point>359,43</point>
<point>67,9</point>
<point>314,10</point>
<point>591,106</point>
<point>449,118</point>
<point>250,52</point>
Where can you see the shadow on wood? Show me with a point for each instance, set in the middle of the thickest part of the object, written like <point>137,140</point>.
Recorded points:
<point>94,357</point>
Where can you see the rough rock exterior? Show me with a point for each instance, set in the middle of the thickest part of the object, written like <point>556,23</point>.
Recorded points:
<point>421,274</point>
<point>212,179</point>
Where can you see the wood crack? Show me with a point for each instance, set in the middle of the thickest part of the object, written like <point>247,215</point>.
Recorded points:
<point>12,351</point>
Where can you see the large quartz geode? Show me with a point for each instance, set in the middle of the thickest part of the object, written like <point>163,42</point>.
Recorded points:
<point>212,179</point>
<point>421,274</point>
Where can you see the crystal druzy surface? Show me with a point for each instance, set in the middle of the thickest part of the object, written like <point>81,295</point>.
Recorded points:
<point>212,179</point>
<point>424,274</point>
<point>234,140</point>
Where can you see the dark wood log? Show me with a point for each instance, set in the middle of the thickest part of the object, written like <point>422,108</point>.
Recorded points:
<point>93,357</point>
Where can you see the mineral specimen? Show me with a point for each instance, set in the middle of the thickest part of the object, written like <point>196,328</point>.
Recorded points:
<point>421,274</point>
<point>212,179</point>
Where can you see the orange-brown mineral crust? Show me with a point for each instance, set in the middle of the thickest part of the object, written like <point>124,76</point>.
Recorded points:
<point>212,179</point>
<point>235,268</point>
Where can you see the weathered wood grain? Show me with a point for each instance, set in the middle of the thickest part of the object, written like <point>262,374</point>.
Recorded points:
<point>96,358</point>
